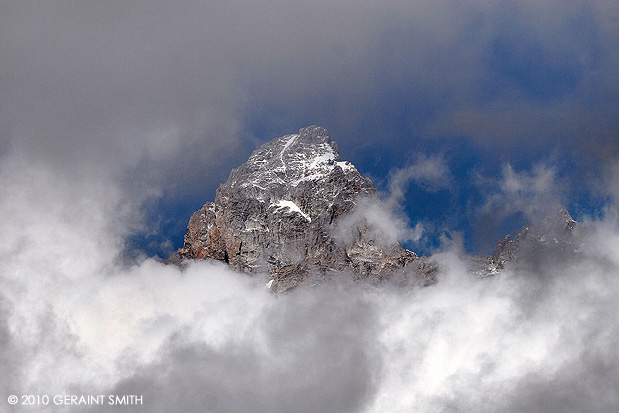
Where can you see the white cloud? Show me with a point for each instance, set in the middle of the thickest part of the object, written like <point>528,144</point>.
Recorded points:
<point>384,224</point>
<point>536,193</point>
<point>74,320</point>
<point>429,172</point>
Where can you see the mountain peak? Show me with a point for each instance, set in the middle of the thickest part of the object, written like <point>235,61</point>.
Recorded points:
<point>285,163</point>
<point>314,133</point>
<point>281,211</point>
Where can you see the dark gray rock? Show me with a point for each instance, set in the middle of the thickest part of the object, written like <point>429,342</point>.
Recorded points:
<point>278,213</point>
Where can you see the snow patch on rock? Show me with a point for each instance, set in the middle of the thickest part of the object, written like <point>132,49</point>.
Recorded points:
<point>292,207</point>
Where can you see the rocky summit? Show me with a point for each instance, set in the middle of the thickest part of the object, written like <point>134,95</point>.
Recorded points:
<point>294,211</point>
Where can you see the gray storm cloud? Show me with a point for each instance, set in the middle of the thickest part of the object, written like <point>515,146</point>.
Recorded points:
<point>155,89</point>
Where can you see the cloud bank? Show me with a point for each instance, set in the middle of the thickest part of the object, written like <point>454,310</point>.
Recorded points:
<point>124,83</point>
<point>77,320</point>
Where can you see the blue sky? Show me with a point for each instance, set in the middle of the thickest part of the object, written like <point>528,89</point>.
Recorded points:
<point>166,99</point>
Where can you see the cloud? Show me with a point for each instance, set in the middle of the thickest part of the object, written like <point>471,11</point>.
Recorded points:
<point>119,83</point>
<point>517,198</point>
<point>385,224</point>
<point>386,220</point>
<point>429,172</point>
<point>536,193</point>
<point>76,320</point>
<point>293,355</point>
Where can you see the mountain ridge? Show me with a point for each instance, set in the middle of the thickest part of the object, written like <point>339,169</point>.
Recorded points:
<point>294,210</point>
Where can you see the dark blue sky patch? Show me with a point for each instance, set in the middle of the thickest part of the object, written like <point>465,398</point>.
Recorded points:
<point>536,71</point>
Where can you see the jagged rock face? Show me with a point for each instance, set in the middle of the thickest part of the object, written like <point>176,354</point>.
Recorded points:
<point>278,213</point>
<point>535,245</point>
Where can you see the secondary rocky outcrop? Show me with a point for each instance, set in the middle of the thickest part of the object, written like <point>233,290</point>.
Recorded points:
<point>553,240</point>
